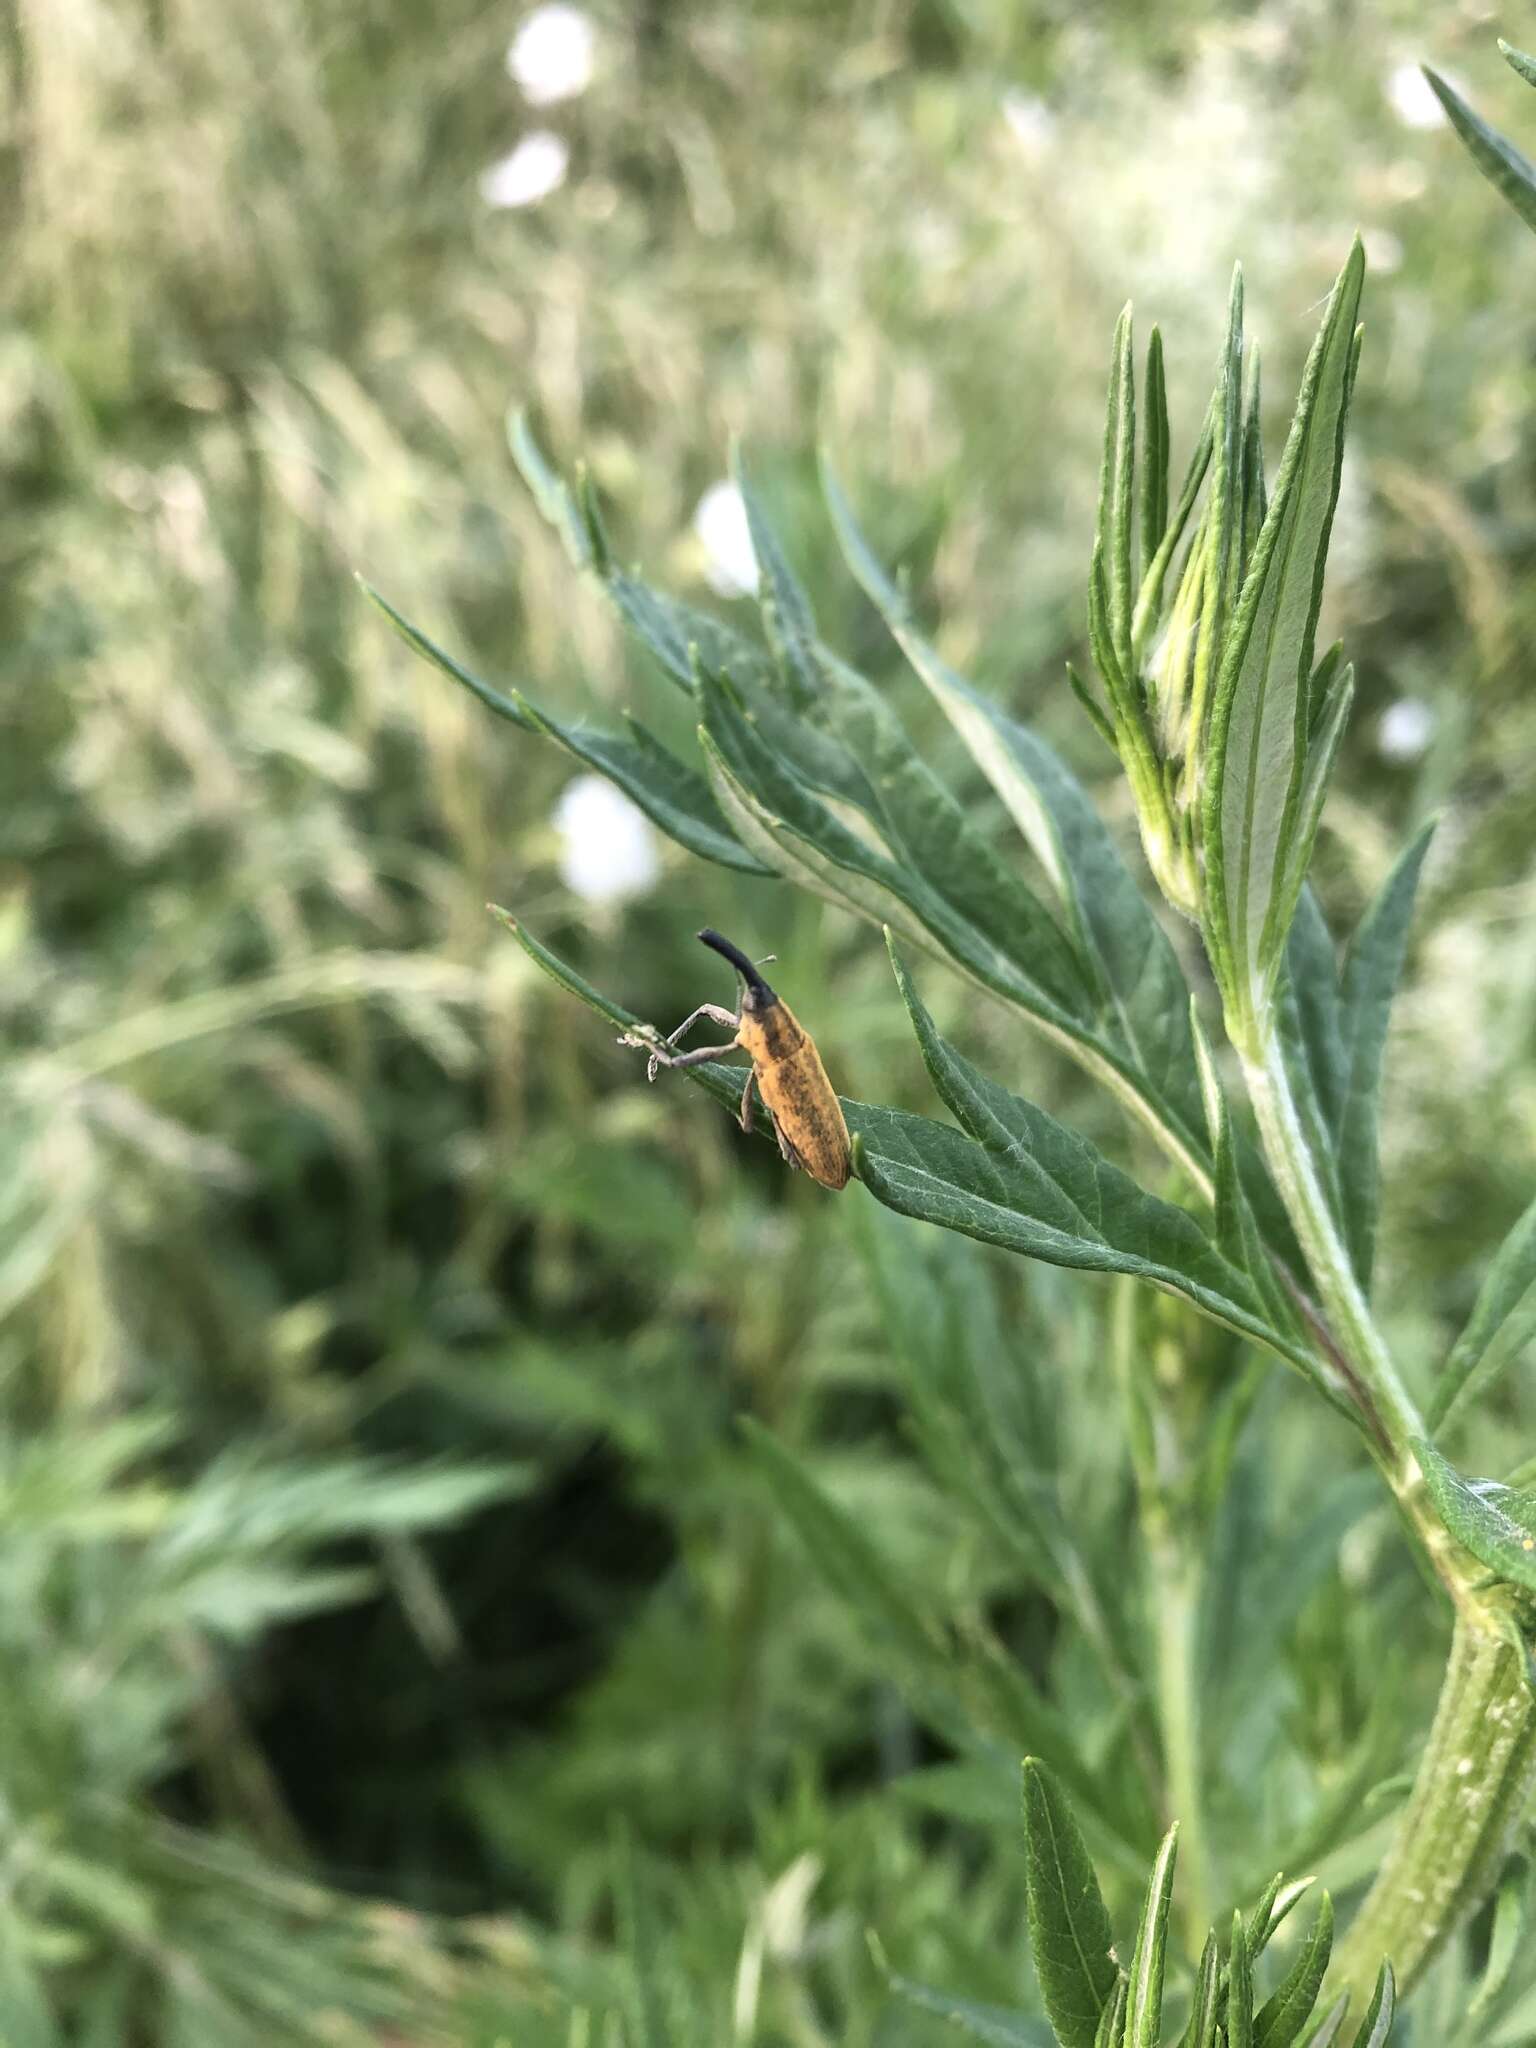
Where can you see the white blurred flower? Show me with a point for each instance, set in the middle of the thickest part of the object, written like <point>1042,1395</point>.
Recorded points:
<point>607,847</point>
<point>1412,97</point>
<point>530,173</point>
<point>720,521</point>
<point>552,53</point>
<point>1406,729</point>
<point>1383,251</point>
<point>1030,119</point>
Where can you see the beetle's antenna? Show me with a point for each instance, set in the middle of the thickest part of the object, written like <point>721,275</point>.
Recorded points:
<point>743,966</point>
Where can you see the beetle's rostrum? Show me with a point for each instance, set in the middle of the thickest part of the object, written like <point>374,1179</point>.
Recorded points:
<point>801,1102</point>
<point>753,984</point>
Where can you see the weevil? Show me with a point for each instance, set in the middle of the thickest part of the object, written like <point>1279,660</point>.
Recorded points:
<point>806,1115</point>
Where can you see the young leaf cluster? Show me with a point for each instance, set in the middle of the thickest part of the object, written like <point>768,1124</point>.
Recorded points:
<point>1093,1999</point>
<point>1208,690</point>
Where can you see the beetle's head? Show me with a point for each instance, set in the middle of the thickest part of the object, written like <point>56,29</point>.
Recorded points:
<point>755,992</point>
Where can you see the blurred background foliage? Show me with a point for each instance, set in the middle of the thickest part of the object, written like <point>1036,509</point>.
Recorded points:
<point>385,1599</point>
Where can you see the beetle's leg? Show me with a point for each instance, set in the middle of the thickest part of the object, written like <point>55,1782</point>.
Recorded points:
<point>712,1011</point>
<point>787,1151</point>
<point>696,1058</point>
<point>746,1101</point>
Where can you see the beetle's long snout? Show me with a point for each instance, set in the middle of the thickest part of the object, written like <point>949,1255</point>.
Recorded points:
<point>743,966</point>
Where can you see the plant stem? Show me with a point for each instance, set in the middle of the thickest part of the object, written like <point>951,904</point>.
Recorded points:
<point>1177,1581</point>
<point>1175,1574</point>
<point>1479,1763</point>
<point>1388,1410</point>
<point>1473,1781</point>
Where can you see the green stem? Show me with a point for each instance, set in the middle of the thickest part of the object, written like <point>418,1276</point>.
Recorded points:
<point>1388,1411</point>
<point>1479,1764</point>
<point>1175,1573</point>
<point>1473,1781</point>
<point>1177,1579</point>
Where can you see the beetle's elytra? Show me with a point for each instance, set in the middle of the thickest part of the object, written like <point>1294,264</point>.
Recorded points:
<point>807,1116</point>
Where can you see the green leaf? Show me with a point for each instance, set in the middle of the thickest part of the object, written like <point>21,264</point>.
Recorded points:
<point>1111,2032</point>
<point>1142,996</point>
<point>1069,1931</point>
<point>910,843</point>
<point>1511,1911</point>
<point>1256,759</point>
<point>990,2023</point>
<point>1154,455</point>
<point>26,2020</point>
<point>1144,1990</point>
<point>646,2002</point>
<point>1114,538</point>
<point>1376,2028</point>
<point>1149,604</point>
<point>841,1552</point>
<point>787,618</point>
<point>670,630</point>
<point>550,492</point>
<point>1237,1231</point>
<point>1494,1522</point>
<point>1282,2017</point>
<point>1502,1323</point>
<point>1518,62</point>
<point>1274,1907</point>
<point>1018,1178</point>
<point>1331,2025</point>
<point>1315,1025</point>
<point>1505,168</point>
<point>1205,2007</point>
<point>1322,751</point>
<point>1239,1988</point>
<point>673,795</point>
<point>1372,972</point>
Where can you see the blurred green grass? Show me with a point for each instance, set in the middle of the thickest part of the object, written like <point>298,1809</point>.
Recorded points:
<point>297,1151</point>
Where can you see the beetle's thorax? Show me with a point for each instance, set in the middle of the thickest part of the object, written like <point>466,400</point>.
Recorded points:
<point>768,1028</point>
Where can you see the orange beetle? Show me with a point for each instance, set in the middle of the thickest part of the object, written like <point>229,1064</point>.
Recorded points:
<point>807,1116</point>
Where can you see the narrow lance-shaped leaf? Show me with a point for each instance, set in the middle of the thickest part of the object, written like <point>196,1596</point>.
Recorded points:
<point>1069,1929</point>
<point>1322,752</point>
<point>1205,2007</point>
<point>1255,759</point>
<point>1111,2032</point>
<point>1376,2028</point>
<point>1016,1177</point>
<point>1282,2017</point>
<point>1496,1523</point>
<point>671,631</point>
<point>1237,1231</point>
<point>842,1552</point>
<point>1136,968</point>
<point>1511,1912</point>
<point>1116,501</point>
<point>1331,2026</point>
<point>986,921</point>
<point>1312,1024</point>
<point>1504,166</point>
<point>1372,972</point>
<point>1144,1986</point>
<point>1149,601</point>
<point>993,2024</point>
<point>1502,1323</point>
<point>1255,495</point>
<point>647,2017</point>
<point>1154,454</point>
<point>1222,554</point>
<point>1239,1988</point>
<point>673,795</point>
<point>786,610</point>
